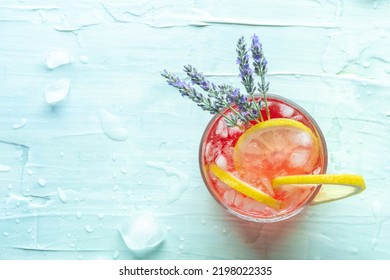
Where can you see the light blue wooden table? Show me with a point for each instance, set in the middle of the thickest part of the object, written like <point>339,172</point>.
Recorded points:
<point>91,137</point>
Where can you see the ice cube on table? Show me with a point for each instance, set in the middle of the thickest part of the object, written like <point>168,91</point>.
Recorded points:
<point>112,126</point>
<point>55,58</point>
<point>57,91</point>
<point>142,232</point>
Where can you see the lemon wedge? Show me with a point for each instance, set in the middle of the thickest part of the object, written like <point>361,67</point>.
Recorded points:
<point>333,186</point>
<point>243,187</point>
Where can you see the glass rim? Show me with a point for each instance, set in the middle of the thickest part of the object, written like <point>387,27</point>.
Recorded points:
<point>282,216</point>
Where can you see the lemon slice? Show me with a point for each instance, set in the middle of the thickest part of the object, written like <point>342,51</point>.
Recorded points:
<point>333,186</point>
<point>275,147</point>
<point>243,187</point>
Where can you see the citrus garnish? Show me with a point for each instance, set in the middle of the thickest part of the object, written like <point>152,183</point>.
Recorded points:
<point>333,186</point>
<point>243,187</point>
<point>275,147</point>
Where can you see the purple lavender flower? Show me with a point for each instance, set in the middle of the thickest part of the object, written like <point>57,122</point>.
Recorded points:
<point>231,98</point>
<point>244,108</point>
<point>246,71</point>
<point>205,85</point>
<point>260,63</point>
<point>260,68</point>
<point>256,41</point>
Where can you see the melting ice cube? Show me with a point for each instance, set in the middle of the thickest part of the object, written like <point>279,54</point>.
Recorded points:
<point>55,58</point>
<point>221,129</point>
<point>299,158</point>
<point>111,126</point>
<point>142,233</point>
<point>229,196</point>
<point>57,91</point>
<point>286,111</point>
<point>302,139</point>
<point>221,161</point>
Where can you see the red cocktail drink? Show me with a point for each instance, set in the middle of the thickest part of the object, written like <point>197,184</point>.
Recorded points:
<point>276,151</point>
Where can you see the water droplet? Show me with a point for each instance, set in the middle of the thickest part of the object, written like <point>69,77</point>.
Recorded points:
<point>376,209</point>
<point>79,215</point>
<point>116,254</point>
<point>374,242</point>
<point>124,170</point>
<point>336,128</point>
<point>20,124</point>
<point>62,195</point>
<point>203,222</point>
<point>355,250</point>
<point>366,64</point>
<point>84,59</point>
<point>169,228</point>
<point>10,186</point>
<point>142,232</point>
<point>55,58</point>
<point>113,157</point>
<point>43,15</point>
<point>181,238</point>
<point>176,189</point>
<point>30,172</point>
<point>88,228</point>
<point>100,216</point>
<point>42,182</point>
<point>57,91</point>
<point>4,168</point>
<point>181,247</point>
<point>5,233</point>
<point>111,126</point>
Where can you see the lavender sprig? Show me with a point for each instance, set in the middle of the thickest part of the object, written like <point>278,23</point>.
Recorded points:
<point>187,90</point>
<point>246,71</point>
<point>206,103</point>
<point>246,74</point>
<point>224,95</point>
<point>216,98</point>
<point>260,65</point>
